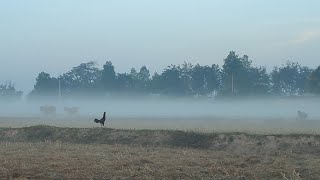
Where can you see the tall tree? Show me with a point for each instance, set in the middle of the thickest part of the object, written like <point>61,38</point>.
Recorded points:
<point>170,82</point>
<point>236,74</point>
<point>155,83</point>
<point>313,82</point>
<point>213,78</point>
<point>198,82</point>
<point>45,85</point>
<point>82,78</point>
<point>144,74</point>
<point>205,79</point>
<point>108,77</point>
<point>143,80</point>
<point>261,81</point>
<point>134,78</point>
<point>302,80</point>
<point>186,77</point>
<point>125,82</point>
<point>241,78</point>
<point>290,79</point>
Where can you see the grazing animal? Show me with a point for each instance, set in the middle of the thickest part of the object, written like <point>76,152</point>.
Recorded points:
<point>71,110</point>
<point>102,120</point>
<point>301,115</point>
<point>48,110</point>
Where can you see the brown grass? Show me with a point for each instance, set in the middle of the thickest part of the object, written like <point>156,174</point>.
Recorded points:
<point>47,160</point>
<point>44,152</point>
<point>199,124</point>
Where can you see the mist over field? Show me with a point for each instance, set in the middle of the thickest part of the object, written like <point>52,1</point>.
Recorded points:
<point>159,89</point>
<point>260,108</point>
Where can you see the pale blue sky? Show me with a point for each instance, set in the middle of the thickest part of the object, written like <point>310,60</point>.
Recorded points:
<point>53,36</point>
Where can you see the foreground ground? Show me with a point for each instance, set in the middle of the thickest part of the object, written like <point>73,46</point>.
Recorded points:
<point>73,161</point>
<point>206,124</point>
<point>44,152</point>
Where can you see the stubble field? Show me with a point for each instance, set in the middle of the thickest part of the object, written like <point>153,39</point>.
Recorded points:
<point>49,152</point>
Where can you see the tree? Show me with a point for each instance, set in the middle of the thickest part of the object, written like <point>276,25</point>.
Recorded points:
<point>313,82</point>
<point>45,85</point>
<point>134,74</point>
<point>236,74</point>
<point>155,83</point>
<point>261,81</point>
<point>125,82</point>
<point>290,79</point>
<point>170,82</point>
<point>144,74</point>
<point>134,80</point>
<point>186,77</point>
<point>82,78</point>
<point>9,93</point>
<point>143,80</point>
<point>108,77</point>
<point>302,80</point>
<point>205,79</point>
<point>240,78</point>
<point>213,78</point>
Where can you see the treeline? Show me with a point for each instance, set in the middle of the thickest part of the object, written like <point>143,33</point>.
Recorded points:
<point>237,78</point>
<point>8,92</point>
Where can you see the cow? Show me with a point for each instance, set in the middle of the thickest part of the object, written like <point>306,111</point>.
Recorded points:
<point>71,110</point>
<point>301,115</point>
<point>48,110</point>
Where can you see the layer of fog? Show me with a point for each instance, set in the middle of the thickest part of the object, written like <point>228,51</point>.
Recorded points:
<point>172,108</point>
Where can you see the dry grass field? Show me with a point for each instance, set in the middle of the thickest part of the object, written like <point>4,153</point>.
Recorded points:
<point>56,160</point>
<point>46,152</point>
<point>206,124</point>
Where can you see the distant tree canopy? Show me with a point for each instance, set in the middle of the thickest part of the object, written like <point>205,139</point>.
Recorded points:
<point>81,78</point>
<point>45,85</point>
<point>290,79</point>
<point>205,79</point>
<point>313,83</point>
<point>9,93</point>
<point>108,77</point>
<point>237,77</point>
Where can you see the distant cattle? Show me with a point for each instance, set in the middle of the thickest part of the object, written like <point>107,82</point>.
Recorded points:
<point>48,110</point>
<point>301,115</point>
<point>71,110</point>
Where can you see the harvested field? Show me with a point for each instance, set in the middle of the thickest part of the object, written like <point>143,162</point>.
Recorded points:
<point>206,124</point>
<point>45,152</point>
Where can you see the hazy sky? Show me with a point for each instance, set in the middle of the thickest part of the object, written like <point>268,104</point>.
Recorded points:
<point>54,36</point>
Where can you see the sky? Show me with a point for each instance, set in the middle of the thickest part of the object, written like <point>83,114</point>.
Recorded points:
<point>54,36</point>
